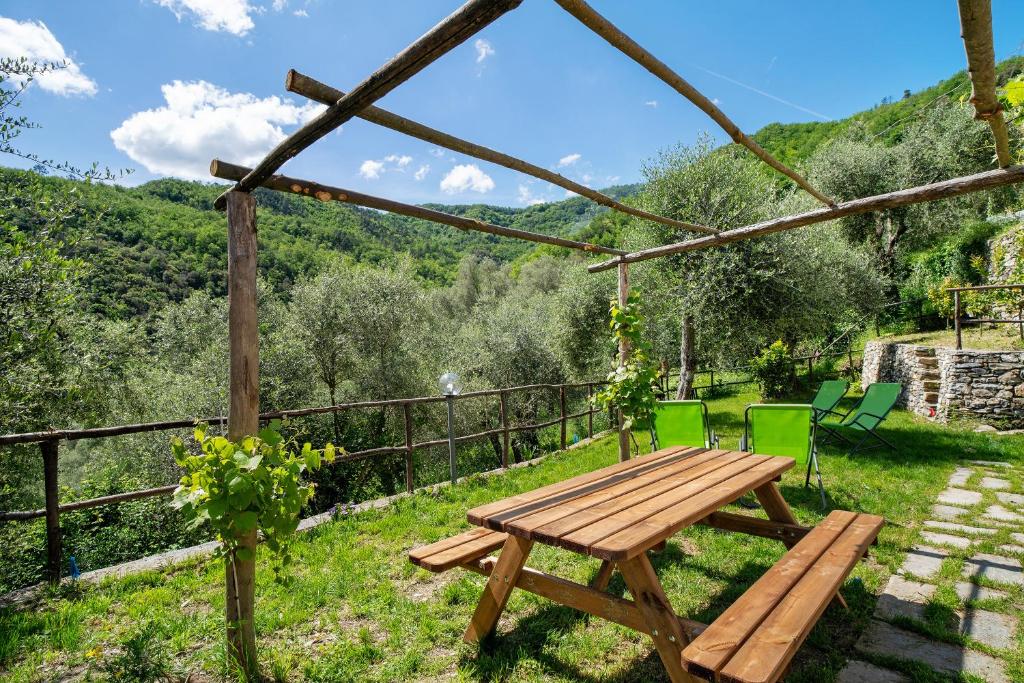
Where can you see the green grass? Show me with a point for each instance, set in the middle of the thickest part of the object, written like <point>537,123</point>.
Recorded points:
<point>977,337</point>
<point>359,611</point>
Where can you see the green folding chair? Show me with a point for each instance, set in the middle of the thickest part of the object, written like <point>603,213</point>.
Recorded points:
<point>871,411</point>
<point>830,393</point>
<point>682,423</point>
<point>783,429</point>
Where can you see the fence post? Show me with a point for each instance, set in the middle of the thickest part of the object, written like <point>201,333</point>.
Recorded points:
<point>810,370</point>
<point>623,357</point>
<point>53,540</point>
<point>503,416</point>
<point>711,383</point>
<point>561,414</point>
<point>590,411</point>
<point>956,319</point>
<point>409,477</point>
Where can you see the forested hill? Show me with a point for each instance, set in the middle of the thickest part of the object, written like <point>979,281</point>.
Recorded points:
<point>157,242</point>
<point>795,142</point>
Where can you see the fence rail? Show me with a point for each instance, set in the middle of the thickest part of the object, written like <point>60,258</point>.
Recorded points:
<point>49,448</point>
<point>959,320</point>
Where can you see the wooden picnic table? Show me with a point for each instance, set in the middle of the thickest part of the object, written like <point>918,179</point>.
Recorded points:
<point>620,512</point>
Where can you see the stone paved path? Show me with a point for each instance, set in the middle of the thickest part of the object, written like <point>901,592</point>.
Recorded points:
<point>971,547</point>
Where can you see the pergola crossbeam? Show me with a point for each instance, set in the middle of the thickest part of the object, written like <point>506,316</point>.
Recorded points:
<point>446,35</point>
<point>976,30</point>
<point>629,47</point>
<point>326,193</point>
<point>315,90</point>
<point>945,189</point>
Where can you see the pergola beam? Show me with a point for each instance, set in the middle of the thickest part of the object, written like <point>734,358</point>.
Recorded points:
<point>315,90</point>
<point>619,40</point>
<point>976,30</point>
<point>326,193</point>
<point>446,35</point>
<point>945,189</point>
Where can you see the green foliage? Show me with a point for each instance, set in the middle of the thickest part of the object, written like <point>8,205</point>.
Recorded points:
<point>632,386</point>
<point>773,370</point>
<point>237,487</point>
<point>141,658</point>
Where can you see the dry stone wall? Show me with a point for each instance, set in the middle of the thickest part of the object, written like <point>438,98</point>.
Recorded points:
<point>945,383</point>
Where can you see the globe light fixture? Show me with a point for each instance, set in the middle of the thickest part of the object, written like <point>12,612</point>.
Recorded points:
<point>450,384</point>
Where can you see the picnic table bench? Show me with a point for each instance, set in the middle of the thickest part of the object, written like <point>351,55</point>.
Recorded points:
<point>620,512</point>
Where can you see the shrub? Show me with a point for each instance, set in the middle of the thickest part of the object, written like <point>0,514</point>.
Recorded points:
<point>773,370</point>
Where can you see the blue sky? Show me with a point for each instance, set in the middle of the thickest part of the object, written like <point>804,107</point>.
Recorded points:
<point>162,86</point>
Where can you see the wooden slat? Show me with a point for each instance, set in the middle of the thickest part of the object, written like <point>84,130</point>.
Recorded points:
<point>600,525</point>
<point>451,552</point>
<point>764,657</point>
<point>591,510</point>
<point>621,494</point>
<point>639,531</point>
<point>480,515</point>
<point>498,589</point>
<point>706,655</point>
<point>755,526</point>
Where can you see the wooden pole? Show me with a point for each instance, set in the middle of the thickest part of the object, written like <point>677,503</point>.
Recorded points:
<point>410,481</point>
<point>956,319</point>
<point>243,415</point>
<point>325,193</point>
<point>944,189</point>
<point>459,26</point>
<point>590,412</point>
<point>629,47</point>
<point>976,30</point>
<point>561,413</point>
<point>309,87</point>
<point>624,349</point>
<point>54,560</point>
<point>503,414</point>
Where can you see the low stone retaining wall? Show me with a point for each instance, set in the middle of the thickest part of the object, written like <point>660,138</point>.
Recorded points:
<point>941,383</point>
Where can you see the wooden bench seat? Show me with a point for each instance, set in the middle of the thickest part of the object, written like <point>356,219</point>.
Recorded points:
<point>457,550</point>
<point>755,639</point>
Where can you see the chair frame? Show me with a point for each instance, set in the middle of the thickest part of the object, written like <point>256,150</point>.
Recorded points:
<point>812,457</point>
<point>709,437</point>
<point>831,430</point>
<point>820,413</point>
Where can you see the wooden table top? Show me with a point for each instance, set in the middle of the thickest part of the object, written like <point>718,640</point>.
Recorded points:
<point>620,511</point>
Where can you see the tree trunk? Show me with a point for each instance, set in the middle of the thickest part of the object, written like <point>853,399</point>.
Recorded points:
<point>334,413</point>
<point>687,361</point>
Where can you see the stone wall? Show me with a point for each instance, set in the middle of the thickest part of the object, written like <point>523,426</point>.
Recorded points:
<point>945,383</point>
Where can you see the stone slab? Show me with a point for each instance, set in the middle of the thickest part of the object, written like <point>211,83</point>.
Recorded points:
<point>962,528</point>
<point>945,539</point>
<point>1019,537</point>
<point>994,483</point>
<point>1001,514</point>
<point>990,463</point>
<point>972,591</point>
<point>948,511</point>
<point>903,598</point>
<point>994,568</point>
<point>990,628</point>
<point>886,640</point>
<point>923,561</point>
<point>1012,549</point>
<point>960,476</point>
<point>1010,498</point>
<point>955,496</point>
<point>857,671</point>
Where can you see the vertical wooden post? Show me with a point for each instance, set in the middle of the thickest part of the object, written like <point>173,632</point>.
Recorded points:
<point>410,480</point>
<point>623,357</point>
<point>562,413</point>
<point>49,450</point>
<point>243,415</point>
<point>503,416</point>
<point>590,411</point>
<point>956,319</point>
<point>711,382</point>
<point>810,370</point>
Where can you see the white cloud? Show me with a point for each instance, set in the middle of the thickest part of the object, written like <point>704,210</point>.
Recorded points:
<point>201,121</point>
<point>231,16</point>
<point>612,179</point>
<point>435,152</point>
<point>569,159</point>
<point>400,161</point>
<point>421,172</point>
<point>466,177</point>
<point>651,103</point>
<point>34,41</point>
<point>526,197</point>
<point>279,5</point>
<point>483,50</point>
<point>301,13</point>
<point>587,178</point>
<point>370,169</point>
<point>715,101</point>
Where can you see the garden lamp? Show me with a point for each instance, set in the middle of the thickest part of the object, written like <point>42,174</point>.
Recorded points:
<point>451,386</point>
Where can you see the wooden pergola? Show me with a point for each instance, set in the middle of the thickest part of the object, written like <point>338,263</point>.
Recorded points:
<point>470,18</point>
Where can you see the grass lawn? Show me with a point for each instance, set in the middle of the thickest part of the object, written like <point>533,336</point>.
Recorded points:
<point>976,337</point>
<point>359,611</point>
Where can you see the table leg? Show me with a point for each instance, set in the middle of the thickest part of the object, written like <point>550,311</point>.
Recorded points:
<point>604,575</point>
<point>499,586</point>
<point>654,606</point>
<point>775,506</point>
